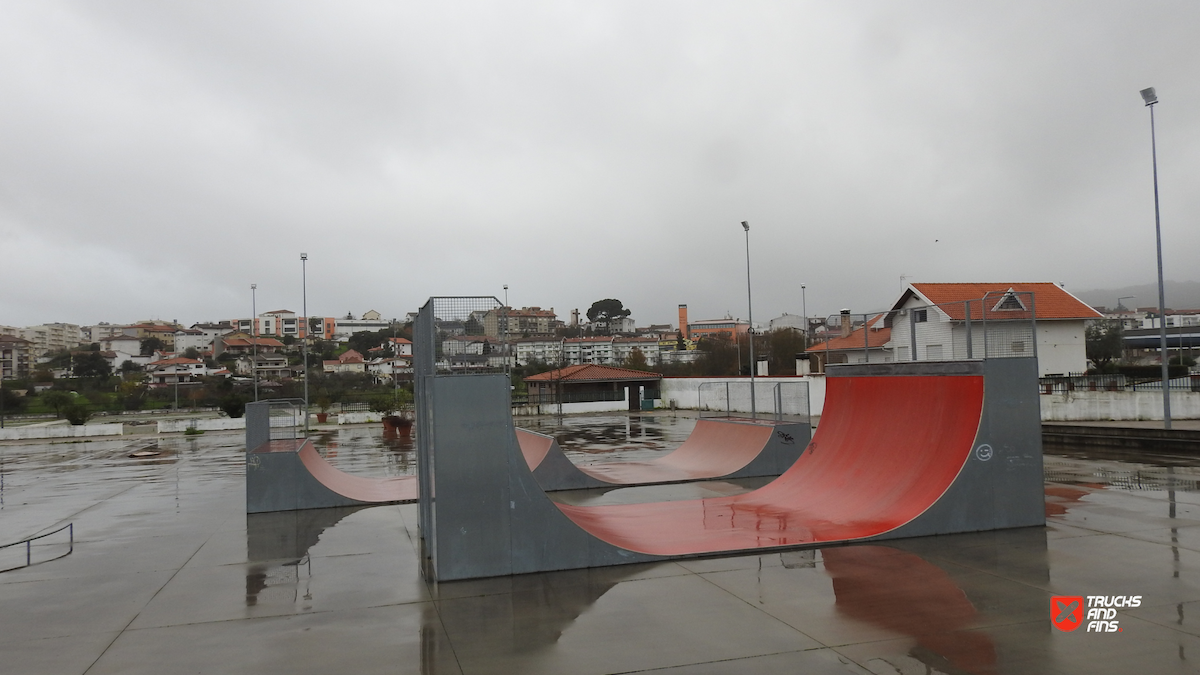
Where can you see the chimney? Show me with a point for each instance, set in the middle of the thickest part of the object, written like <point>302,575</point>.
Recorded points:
<point>683,322</point>
<point>846,322</point>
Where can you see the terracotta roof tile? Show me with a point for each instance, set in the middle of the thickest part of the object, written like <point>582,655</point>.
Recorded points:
<point>592,373</point>
<point>1050,300</point>
<point>877,338</point>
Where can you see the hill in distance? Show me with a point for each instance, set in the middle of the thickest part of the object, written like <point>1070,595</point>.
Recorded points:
<point>1180,295</point>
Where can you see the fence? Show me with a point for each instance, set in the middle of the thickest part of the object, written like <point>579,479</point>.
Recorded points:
<point>69,527</point>
<point>1115,382</point>
<point>287,419</point>
<point>771,400</point>
<point>998,325</point>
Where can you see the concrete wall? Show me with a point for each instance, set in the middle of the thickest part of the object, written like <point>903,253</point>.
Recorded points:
<point>1076,406</point>
<point>214,424</point>
<point>359,417</point>
<point>685,392</point>
<point>60,431</point>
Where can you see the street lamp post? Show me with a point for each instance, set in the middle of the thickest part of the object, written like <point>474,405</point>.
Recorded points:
<point>804,310</point>
<point>750,311</point>
<point>304,344</point>
<point>254,336</point>
<point>1151,98</point>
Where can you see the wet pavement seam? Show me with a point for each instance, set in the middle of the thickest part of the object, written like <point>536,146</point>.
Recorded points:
<point>151,599</point>
<point>703,575</point>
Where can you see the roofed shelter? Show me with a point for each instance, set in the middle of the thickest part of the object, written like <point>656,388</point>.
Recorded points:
<point>593,382</point>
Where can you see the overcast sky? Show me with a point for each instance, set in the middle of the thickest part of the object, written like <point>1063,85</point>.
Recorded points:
<point>156,158</point>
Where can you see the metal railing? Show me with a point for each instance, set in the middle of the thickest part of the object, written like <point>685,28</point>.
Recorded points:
<point>1059,384</point>
<point>773,400</point>
<point>28,543</point>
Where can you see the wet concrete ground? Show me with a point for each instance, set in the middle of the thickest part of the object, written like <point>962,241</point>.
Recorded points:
<point>170,576</point>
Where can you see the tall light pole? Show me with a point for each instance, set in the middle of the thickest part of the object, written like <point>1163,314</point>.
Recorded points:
<point>304,344</point>
<point>254,336</point>
<point>1151,98</point>
<point>804,310</point>
<point>750,310</point>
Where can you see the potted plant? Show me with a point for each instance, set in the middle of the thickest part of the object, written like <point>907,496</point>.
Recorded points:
<point>397,413</point>
<point>324,404</point>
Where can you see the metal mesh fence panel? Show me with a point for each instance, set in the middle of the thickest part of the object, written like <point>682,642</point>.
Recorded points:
<point>286,418</point>
<point>772,400</point>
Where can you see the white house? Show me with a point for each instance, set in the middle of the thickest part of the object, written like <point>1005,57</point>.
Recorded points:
<point>174,370</point>
<point>941,330</point>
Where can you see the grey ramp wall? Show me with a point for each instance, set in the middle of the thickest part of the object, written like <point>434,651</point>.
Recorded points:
<point>492,518</point>
<point>1001,486</point>
<point>279,481</point>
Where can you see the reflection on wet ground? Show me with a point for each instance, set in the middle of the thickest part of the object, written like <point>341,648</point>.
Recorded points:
<point>170,575</point>
<point>616,438</point>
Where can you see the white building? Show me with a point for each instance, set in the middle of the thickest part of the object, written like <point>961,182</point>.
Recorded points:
<point>174,371</point>
<point>941,331</point>
<point>52,337</point>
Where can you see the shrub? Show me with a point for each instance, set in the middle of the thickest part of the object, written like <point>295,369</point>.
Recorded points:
<point>77,412</point>
<point>233,405</point>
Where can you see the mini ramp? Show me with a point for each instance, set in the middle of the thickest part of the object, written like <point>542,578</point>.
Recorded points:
<point>716,448</point>
<point>904,449</point>
<point>290,475</point>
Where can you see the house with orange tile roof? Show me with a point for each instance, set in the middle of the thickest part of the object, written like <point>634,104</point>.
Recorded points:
<point>349,361</point>
<point>936,319</point>
<point>869,342</point>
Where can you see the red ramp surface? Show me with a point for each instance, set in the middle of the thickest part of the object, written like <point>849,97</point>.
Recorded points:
<point>714,449</point>
<point>886,450</point>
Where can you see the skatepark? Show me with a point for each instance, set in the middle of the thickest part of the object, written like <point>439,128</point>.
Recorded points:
<point>828,568</point>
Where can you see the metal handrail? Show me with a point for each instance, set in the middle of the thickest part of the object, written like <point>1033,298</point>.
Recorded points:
<point>70,527</point>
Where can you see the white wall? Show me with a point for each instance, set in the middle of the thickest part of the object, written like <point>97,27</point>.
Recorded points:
<point>685,392</point>
<point>60,431</point>
<point>1079,406</point>
<point>1062,347</point>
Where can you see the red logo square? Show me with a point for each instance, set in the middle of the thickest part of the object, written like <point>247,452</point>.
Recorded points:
<point>1066,611</point>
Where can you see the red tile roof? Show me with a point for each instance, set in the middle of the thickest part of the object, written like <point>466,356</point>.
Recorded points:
<point>350,356</point>
<point>249,342</point>
<point>593,373</point>
<point>876,338</point>
<point>1051,300</point>
<point>178,361</point>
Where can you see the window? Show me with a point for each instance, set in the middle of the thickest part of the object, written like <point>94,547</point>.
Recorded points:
<point>921,315</point>
<point>1018,346</point>
<point>933,352</point>
<point>1009,302</point>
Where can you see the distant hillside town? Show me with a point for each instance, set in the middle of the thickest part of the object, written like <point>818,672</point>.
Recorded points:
<point>270,347</point>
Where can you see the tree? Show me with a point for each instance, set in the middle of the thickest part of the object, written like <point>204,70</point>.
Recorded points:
<point>92,364</point>
<point>149,345</point>
<point>604,311</point>
<point>233,405</point>
<point>1105,342</point>
<point>783,346</point>
<point>77,412</point>
<point>191,353</point>
<point>57,400</point>
<point>636,360</point>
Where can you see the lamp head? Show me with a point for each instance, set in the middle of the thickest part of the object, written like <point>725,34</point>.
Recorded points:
<point>304,256</point>
<point>1149,96</point>
<point>746,225</point>
<point>253,286</point>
